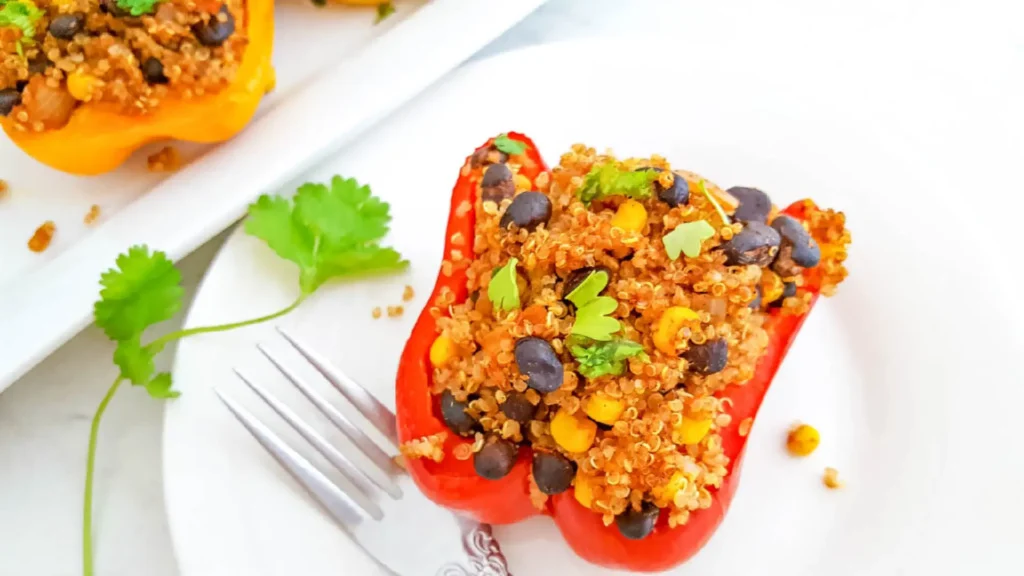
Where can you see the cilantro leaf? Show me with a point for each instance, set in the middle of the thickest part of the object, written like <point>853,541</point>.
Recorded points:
<point>160,387</point>
<point>137,7</point>
<point>23,15</point>
<point>593,320</point>
<point>144,289</point>
<point>328,231</point>
<point>588,289</point>
<point>503,290</point>
<point>509,146</point>
<point>135,362</point>
<point>607,179</point>
<point>384,9</point>
<point>602,358</point>
<point>686,238</point>
<point>711,198</point>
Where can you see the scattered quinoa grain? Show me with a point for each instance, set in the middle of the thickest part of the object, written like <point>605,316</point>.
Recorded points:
<point>42,237</point>
<point>744,427</point>
<point>395,311</point>
<point>831,479</point>
<point>5,189</point>
<point>408,294</point>
<point>166,159</point>
<point>92,215</point>
<point>431,447</point>
<point>377,313</point>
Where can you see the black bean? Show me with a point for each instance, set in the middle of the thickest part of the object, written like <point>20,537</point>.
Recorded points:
<point>754,206</point>
<point>636,525</point>
<point>756,244</point>
<point>709,357</point>
<point>798,250</point>
<point>66,26</point>
<point>553,472</point>
<point>9,98</point>
<point>788,290</point>
<point>153,71</point>
<point>454,414</point>
<point>576,277</point>
<point>537,361</point>
<point>527,210</point>
<point>495,460</point>
<point>497,184</point>
<point>214,31</point>
<point>756,302</point>
<point>486,155</point>
<point>517,407</point>
<point>676,195</point>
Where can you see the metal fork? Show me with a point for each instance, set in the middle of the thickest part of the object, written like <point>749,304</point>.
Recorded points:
<point>378,505</point>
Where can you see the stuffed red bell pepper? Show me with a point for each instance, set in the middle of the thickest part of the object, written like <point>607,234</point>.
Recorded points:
<point>598,342</point>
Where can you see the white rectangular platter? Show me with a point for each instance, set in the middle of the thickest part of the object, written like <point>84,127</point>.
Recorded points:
<point>374,68</point>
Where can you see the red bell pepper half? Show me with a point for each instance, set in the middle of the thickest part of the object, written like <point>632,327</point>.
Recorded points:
<point>454,483</point>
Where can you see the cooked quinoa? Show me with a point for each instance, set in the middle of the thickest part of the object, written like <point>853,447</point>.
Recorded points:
<point>520,362</point>
<point>96,51</point>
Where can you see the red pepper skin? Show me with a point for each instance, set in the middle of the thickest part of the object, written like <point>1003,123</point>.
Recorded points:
<point>454,483</point>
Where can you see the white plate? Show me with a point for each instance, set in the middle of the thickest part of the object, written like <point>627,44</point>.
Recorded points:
<point>909,373</point>
<point>371,70</point>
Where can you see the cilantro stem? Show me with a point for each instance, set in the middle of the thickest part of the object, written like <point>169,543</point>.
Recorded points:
<point>178,334</point>
<point>90,470</point>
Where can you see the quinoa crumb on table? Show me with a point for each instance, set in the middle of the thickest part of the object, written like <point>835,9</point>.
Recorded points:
<point>610,304</point>
<point>127,55</point>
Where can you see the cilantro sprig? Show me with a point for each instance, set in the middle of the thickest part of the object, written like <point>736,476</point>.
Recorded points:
<point>137,7</point>
<point>593,312</point>
<point>711,198</point>
<point>328,230</point>
<point>608,179</point>
<point>23,15</point>
<point>509,146</point>
<point>596,359</point>
<point>503,290</point>
<point>687,238</point>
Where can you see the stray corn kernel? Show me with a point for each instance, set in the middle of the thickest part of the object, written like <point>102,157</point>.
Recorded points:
<point>82,85</point>
<point>668,326</point>
<point>572,432</point>
<point>583,491</point>
<point>631,216</point>
<point>666,494</point>
<point>691,431</point>
<point>803,440</point>
<point>522,183</point>
<point>831,479</point>
<point>772,286</point>
<point>441,351</point>
<point>604,408</point>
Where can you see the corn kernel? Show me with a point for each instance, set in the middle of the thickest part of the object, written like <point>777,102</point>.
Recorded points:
<point>604,408</point>
<point>803,440</point>
<point>668,326</point>
<point>441,351</point>
<point>631,216</point>
<point>573,432</point>
<point>666,494</point>
<point>583,491</point>
<point>522,183</point>
<point>691,431</point>
<point>771,286</point>
<point>81,85</point>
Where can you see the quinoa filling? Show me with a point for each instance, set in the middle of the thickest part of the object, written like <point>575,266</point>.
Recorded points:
<point>609,301</point>
<point>127,55</point>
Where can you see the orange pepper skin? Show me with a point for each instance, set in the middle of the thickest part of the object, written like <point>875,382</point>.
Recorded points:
<point>98,139</point>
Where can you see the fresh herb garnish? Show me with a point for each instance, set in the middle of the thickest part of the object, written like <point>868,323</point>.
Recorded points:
<point>711,198</point>
<point>137,7</point>
<point>596,359</point>
<point>384,9</point>
<point>607,179</point>
<point>509,146</point>
<point>686,238</point>
<point>23,15</point>
<point>589,288</point>
<point>328,231</point>
<point>593,320</point>
<point>503,290</point>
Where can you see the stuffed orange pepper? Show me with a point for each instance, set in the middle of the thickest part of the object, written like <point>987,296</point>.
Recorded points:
<point>84,83</point>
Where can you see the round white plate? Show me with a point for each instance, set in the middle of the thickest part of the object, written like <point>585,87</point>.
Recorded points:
<point>908,372</point>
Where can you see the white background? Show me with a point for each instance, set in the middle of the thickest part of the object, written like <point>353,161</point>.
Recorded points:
<point>44,418</point>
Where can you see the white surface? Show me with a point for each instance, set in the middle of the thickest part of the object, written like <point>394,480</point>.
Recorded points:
<point>322,104</point>
<point>865,371</point>
<point>44,416</point>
